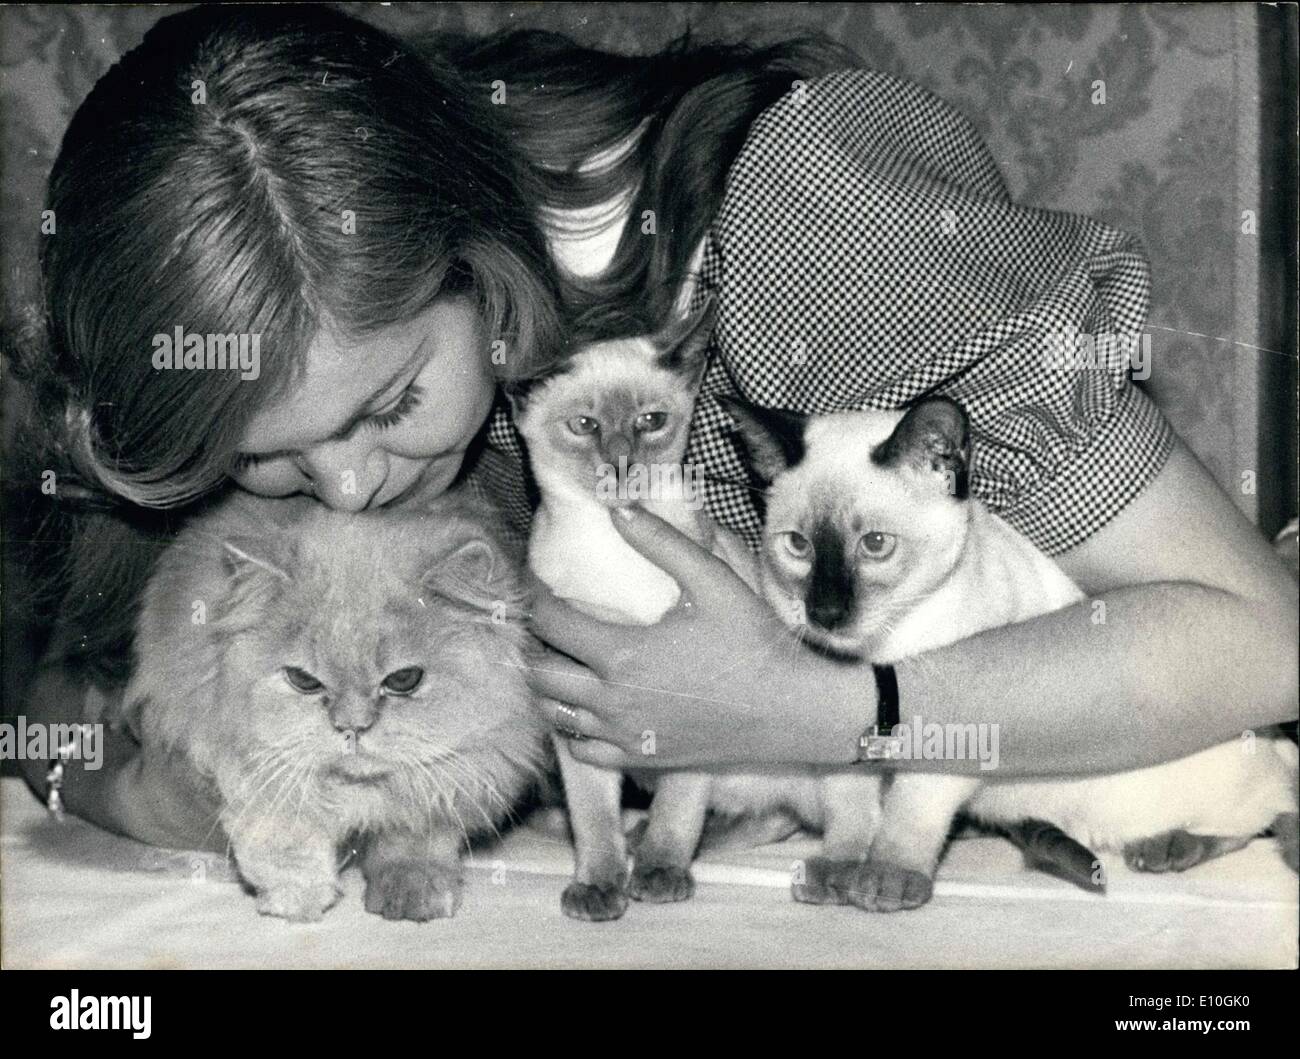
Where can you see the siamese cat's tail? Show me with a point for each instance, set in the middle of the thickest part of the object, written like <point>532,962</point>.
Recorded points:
<point>748,831</point>
<point>1049,849</point>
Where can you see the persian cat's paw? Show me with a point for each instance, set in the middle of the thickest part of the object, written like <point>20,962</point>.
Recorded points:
<point>879,887</point>
<point>414,890</point>
<point>298,904</point>
<point>822,881</point>
<point>1177,851</point>
<point>661,883</point>
<point>595,904</point>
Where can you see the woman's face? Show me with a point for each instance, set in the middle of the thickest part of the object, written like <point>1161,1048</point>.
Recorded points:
<point>379,421</point>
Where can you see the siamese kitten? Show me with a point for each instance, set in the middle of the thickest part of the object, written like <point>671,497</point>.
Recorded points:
<point>339,676</point>
<point>871,532</point>
<point>615,411</point>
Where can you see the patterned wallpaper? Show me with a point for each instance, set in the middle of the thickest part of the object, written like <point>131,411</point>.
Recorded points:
<point>1162,156</point>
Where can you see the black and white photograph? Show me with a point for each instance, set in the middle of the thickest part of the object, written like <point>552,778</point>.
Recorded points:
<point>650,486</point>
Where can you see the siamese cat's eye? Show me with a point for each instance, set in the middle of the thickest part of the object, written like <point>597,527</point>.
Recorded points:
<point>583,425</point>
<point>796,544</point>
<point>301,680</point>
<point>651,421</point>
<point>403,681</point>
<point>877,545</point>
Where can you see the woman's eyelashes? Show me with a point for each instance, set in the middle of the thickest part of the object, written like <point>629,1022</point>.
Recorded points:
<point>408,401</point>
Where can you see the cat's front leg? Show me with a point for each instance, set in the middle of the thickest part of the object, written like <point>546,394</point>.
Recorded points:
<point>918,814</point>
<point>291,864</point>
<point>662,868</point>
<point>851,811</point>
<point>594,796</point>
<point>412,875</point>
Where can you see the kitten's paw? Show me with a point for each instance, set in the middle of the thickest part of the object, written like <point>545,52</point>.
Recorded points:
<point>823,881</point>
<point>298,904</point>
<point>880,887</point>
<point>595,904</point>
<point>414,890</point>
<point>661,883</point>
<point>1177,851</point>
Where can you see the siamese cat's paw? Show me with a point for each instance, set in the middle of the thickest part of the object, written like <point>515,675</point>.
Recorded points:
<point>661,883</point>
<point>414,890</point>
<point>880,887</point>
<point>823,881</point>
<point>595,904</point>
<point>298,904</point>
<point>1178,851</point>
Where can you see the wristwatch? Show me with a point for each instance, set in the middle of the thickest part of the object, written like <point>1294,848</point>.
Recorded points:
<point>879,743</point>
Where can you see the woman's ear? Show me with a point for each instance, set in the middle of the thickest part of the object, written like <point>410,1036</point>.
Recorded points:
<point>684,343</point>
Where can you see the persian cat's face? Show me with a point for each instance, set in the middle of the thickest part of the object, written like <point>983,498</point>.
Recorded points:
<point>375,663</point>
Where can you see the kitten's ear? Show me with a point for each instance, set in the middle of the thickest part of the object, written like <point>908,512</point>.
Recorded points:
<point>517,391</point>
<point>244,557</point>
<point>773,437</point>
<point>682,345</point>
<point>934,438</point>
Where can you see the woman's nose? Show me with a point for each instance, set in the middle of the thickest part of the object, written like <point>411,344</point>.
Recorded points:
<point>345,476</point>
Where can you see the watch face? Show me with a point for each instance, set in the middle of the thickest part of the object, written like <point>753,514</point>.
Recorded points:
<point>876,747</point>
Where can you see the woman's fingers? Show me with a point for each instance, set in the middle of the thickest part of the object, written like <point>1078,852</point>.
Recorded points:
<point>596,752</point>
<point>703,576</point>
<point>577,634</point>
<point>562,678</point>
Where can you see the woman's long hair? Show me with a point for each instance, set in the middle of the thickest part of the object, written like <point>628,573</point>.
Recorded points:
<point>276,170</point>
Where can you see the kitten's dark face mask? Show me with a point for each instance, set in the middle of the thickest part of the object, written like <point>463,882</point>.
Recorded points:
<point>866,513</point>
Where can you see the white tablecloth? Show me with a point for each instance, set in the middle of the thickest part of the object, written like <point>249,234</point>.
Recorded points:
<point>73,896</point>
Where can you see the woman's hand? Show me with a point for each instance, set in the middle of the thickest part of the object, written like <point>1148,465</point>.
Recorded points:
<point>719,680</point>
<point>152,797</point>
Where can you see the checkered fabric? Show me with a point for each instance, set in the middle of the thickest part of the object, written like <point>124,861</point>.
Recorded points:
<point>867,252</point>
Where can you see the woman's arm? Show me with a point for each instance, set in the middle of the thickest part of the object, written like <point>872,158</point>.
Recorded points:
<point>154,798</point>
<point>1196,642</point>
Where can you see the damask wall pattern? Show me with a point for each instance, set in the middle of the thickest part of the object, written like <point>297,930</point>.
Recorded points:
<point>1139,114</point>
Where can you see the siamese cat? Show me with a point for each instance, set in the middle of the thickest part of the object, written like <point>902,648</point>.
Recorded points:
<point>614,417</point>
<point>871,533</point>
<point>340,676</point>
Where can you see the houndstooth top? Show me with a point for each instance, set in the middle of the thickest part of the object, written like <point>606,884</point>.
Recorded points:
<point>866,253</point>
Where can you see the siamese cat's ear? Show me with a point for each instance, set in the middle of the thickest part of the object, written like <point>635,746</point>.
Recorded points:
<point>243,557</point>
<point>773,437</point>
<point>682,345</point>
<point>933,437</point>
<point>517,391</point>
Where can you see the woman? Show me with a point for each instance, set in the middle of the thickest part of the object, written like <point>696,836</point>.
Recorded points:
<point>402,234</point>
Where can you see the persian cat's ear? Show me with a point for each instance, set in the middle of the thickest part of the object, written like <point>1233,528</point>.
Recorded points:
<point>772,437</point>
<point>477,573</point>
<point>682,344</point>
<point>254,568</point>
<point>246,557</point>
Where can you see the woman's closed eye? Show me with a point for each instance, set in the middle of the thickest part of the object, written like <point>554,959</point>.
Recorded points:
<point>405,403</point>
